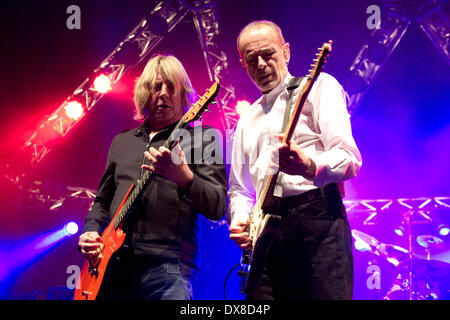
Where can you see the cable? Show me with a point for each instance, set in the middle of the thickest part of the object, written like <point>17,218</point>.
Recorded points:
<point>226,279</point>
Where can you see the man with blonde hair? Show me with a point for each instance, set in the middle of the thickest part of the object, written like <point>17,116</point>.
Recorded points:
<point>158,260</point>
<point>309,255</point>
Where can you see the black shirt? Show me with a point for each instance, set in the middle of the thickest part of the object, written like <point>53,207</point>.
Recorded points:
<point>164,222</point>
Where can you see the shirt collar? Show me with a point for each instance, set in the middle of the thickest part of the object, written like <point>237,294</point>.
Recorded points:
<point>144,128</point>
<point>268,99</point>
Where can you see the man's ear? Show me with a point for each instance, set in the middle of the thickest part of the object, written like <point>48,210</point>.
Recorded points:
<point>286,52</point>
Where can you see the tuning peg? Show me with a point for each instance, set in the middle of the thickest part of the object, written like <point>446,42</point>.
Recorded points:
<point>213,102</point>
<point>206,110</point>
<point>199,117</point>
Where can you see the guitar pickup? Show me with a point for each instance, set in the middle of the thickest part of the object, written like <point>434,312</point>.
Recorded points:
<point>92,271</point>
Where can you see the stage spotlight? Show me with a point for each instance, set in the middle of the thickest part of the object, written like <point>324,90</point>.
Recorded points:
<point>443,230</point>
<point>71,228</point>
<point>400,231</point>
<point>361,245</point>
<point>27,251</point>
<point>74,110</point>
<point>241,106</point>
<point>102,84</point>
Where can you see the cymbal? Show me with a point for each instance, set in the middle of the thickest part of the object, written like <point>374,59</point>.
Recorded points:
<point>394,254</point>
<point>429,241</point>
<point>359,235</point>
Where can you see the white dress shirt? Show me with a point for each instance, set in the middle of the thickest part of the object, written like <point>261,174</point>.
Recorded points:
<point>323,133</point>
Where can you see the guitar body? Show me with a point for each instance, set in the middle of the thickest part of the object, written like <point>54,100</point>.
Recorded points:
<point>91,279</point>
<point>262,239</point>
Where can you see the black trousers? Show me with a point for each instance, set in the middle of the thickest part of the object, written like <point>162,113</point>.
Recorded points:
<point>310,254</point>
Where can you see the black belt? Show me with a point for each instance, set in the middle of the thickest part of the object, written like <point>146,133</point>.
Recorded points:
<point>329,195</point>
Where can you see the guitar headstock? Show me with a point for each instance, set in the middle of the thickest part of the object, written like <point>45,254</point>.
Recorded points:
<point>201,105</point>
<point>320,60</point>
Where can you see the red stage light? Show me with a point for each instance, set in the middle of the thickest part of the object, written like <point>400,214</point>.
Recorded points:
<point>241,105</point>
<point>74,110</point>
<point>102,84</point>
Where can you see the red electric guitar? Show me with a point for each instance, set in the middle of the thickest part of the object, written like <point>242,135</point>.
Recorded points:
<point>91,277</point>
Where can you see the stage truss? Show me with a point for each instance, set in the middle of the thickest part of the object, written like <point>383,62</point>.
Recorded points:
<point>397,16</point>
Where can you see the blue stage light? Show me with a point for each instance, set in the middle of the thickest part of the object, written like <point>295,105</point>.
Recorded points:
<point>18,255</point>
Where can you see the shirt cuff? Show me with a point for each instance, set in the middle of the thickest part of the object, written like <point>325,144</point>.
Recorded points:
<point>186,194</point>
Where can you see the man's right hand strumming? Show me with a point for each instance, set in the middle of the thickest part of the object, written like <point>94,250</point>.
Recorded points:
<point>91,246</point>
<point>239,234</point>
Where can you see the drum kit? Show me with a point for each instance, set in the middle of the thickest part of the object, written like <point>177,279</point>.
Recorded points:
<point>417,278</point>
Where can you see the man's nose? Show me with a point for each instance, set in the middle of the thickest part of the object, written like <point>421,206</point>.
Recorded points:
<point>164,92</point>
<point>261,63</point>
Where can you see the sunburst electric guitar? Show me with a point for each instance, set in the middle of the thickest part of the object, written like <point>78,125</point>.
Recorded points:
<point>260,217</point>
<point>91,277</point>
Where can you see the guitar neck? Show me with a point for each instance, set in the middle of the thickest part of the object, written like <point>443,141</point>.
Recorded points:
<point>266,196</point>
<point>142,183</point>
<point>269,183</point>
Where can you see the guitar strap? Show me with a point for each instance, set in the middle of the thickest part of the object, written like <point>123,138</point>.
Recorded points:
<point>263,243</point>
<point>292,85</point>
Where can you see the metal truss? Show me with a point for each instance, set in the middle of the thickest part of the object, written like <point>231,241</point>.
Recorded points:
<point>164,16</point>
<point>206,20</point>
<point>436,26</point>
<point>396,17</point>
<point>419,209</point>
<point>53,198</point>
<point>136,46</point>
<point>368,211</point>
